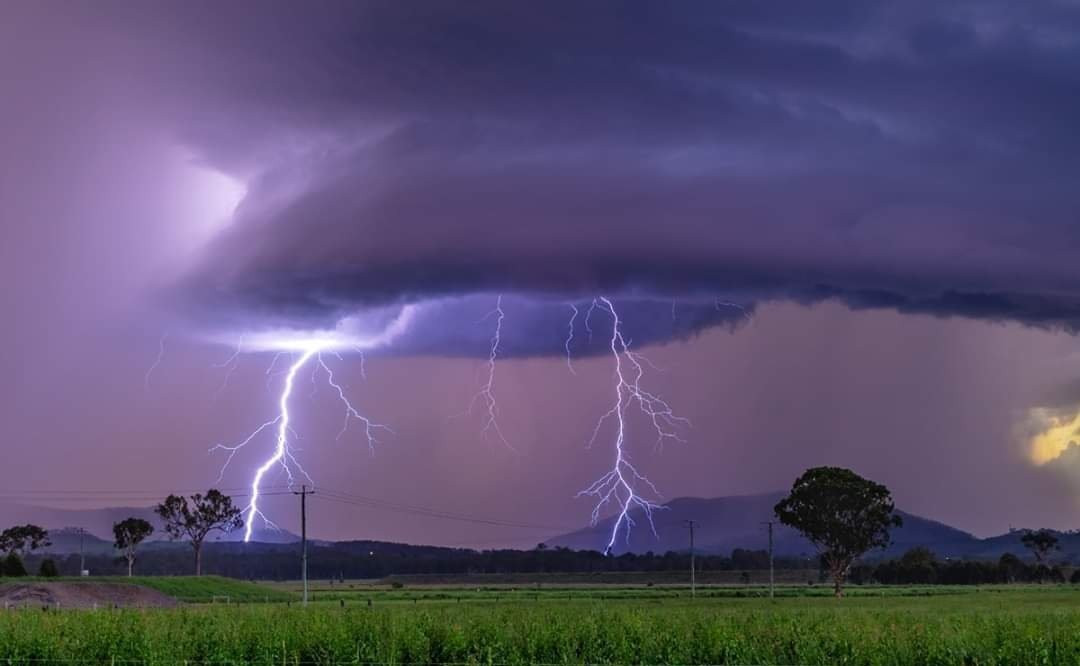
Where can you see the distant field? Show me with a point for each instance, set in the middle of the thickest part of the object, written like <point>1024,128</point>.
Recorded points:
<point>628,578</point>
<point>993,625</point>
<point>190,589</point>
<point>361,592</point>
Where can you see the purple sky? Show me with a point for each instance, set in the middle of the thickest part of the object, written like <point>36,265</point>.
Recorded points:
<point>888,192</point>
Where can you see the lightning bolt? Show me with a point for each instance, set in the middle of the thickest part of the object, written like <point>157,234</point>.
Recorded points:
<point>370,427</point>
<point>570,338</point>
<point>622,485</point>
<point>229,363</point>
<point>283,452</point>
<point>306,349</point>
<point>156,363</point>
<point>487,390</point>
<point>588,318</point>
<point>728,304</point>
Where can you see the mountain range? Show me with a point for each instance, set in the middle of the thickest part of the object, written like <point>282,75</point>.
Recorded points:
<point>63,525</point>
<point>725,523</point>
<point>721,525</point>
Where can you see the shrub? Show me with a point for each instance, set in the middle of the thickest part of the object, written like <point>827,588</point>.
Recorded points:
<point>13,566</point>
<point>48,569</point>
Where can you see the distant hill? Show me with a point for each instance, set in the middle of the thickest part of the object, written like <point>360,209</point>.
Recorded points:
<point>98,524</point>
<point>726,523</point>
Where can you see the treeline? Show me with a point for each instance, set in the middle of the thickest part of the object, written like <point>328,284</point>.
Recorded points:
<point>920,566</point>
<point>372,559</point>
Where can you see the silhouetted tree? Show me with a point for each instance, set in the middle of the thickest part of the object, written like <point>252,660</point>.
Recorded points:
<point>1011,568</point>
<point>841,513</point>
<point>1040,542</point>
<point>204,514</point>
<point>919,566</point>
<point>13,565</point>
<point>48,569</point>
<point>129,533</point>
<point>23,539</point>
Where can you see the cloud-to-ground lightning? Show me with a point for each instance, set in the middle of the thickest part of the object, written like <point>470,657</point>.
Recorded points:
<point>622,485</point>
<point>486,394</point>
<point>307,348</point>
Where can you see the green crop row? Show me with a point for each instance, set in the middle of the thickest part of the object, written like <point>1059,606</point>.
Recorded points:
<point>1022,627</point>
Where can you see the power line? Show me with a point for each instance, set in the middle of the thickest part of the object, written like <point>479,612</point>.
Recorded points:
<point>83,496</point>
<point>772,575</point>
<point>693,582</point>
<point>128,491</point>
<point>372,503</point>
<point>304,492</point>
<point>97,499</point>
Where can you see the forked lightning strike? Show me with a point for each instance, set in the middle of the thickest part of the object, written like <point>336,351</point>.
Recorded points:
<point>621,485</point>
<point>306,348</point>
<point>487,390</point>
<point>370,427</point>
<point>283,454</point>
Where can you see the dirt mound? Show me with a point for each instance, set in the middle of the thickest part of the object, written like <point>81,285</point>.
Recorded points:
<point>82,595</point>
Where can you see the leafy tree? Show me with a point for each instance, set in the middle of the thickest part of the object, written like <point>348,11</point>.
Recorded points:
<point>23,539</point>
<point>919,565</point>
<point>194,520</point>
<point>1040,542</point>
<point>13,565</point>
<point>1011,568</point>
<point>48,569</point>
<point>129,533</point>
<point>841,513</point>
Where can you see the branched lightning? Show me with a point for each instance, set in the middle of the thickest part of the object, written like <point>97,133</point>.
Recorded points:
<point>370,427</point>
<point>487,390</point>
<point>270,369</point>
<point>621,485</point>
<point>229,363</point>
<point>284,450</point>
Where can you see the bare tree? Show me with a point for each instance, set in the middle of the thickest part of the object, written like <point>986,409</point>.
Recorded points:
<point>129,533</point>
<point>194,520</point>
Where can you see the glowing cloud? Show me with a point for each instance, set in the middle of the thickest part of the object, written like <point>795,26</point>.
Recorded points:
<point>1057,434</point>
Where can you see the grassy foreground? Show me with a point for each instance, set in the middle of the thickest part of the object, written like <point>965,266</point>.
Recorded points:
<point>1018,626</point>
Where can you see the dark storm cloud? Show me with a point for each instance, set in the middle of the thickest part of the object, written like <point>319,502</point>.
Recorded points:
<point>463,326</point>
<point>917,156</point>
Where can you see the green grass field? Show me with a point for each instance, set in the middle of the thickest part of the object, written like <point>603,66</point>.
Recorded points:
<point>991,625</point>
<point>189,589</point>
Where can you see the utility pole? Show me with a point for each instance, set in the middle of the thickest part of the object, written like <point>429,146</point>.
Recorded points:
<point>304,492</point>
<point>82,556</point>
<point>693,583</point>
<point>772,579</point>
